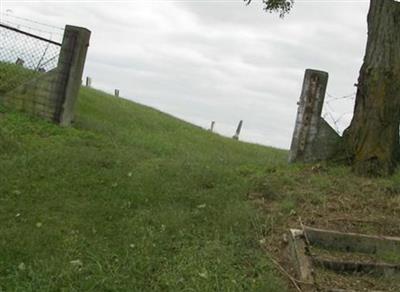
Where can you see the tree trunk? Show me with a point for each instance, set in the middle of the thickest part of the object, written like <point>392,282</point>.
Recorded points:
<point>372,139</point>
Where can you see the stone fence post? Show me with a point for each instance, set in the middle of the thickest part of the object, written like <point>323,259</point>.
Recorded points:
<point>70,69</point>
<point>313,138</point>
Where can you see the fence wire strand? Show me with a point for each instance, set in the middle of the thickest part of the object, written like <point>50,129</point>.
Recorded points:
<point>334,117</point>
<point>45,30</point>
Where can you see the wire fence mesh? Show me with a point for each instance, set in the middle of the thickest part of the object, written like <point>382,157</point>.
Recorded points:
<point>29,56</point>
<point>24,56</point>
<point>41,67</point>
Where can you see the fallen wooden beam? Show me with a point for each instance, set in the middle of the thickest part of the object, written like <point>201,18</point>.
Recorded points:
<point>301,262</point>
<point>344,290</point>
<point>352,242</point>
<point>349,267</point>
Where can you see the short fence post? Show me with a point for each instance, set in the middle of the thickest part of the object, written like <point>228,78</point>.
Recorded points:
<point>70,69</point>
<point>88,82</point>
<point>308,116</point>
<point>238,130</point>
<point>116,92</point>
<point>212,126</point>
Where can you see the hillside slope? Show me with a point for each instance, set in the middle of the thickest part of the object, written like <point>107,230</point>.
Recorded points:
<point>129,199</point>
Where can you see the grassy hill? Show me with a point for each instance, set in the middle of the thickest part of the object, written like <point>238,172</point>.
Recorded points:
<point>129,199</point>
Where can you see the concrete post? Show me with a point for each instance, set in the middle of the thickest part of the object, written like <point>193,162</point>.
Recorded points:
<point>212,126</point>
<point>308,116</point>
<point>116,92</point>
<point>238,130</point>
<point>88,82</point>
<point>70,69</point>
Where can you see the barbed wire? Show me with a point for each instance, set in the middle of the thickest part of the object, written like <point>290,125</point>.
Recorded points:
<point>6,14</point>
<point>331,115</point>
<point>52,32</point>
<point>46,34</point>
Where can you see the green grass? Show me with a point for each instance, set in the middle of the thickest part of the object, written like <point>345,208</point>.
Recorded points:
<point>129,199</point>
<point>11,76</point>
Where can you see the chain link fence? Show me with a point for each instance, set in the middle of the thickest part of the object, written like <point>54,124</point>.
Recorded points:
<point>24,56</point>
<point>41,68</point>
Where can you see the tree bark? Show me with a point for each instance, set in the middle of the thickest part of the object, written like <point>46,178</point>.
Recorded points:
<point>372,139</point>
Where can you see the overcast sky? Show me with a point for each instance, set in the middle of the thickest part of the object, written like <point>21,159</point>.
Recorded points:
<point>204,60</point>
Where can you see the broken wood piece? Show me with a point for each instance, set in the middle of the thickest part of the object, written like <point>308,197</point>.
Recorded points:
<point>352,242</point>
<point>301,261</point>
<point>344,290</point>
<point>377,269</point>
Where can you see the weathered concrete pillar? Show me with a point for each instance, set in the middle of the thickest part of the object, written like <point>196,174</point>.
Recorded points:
<point>238,130</point>
<point>116,92</point>
<point>308,116</point>
<point>212,126</point>
<point>88,82</point>
<point>70,69</point>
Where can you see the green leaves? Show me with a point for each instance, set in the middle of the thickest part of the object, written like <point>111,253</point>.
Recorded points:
<point>279,6</point>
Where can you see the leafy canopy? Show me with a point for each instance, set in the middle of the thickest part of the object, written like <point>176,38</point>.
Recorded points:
<point>280,6</point>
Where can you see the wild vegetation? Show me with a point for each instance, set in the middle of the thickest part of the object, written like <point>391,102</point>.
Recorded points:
<point>12,75</point>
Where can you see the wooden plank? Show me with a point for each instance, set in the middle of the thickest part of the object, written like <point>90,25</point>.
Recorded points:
<point>377,269</point>
<point>352,242</point>
<point>301,262</point>
<point>344,290</point>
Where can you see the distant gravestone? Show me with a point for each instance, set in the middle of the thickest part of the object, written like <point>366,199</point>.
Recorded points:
<point>20,62</point>
<point>88,82</point>
<point>313,138</point>
<point>238,130</point>
<point>212,126</point>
